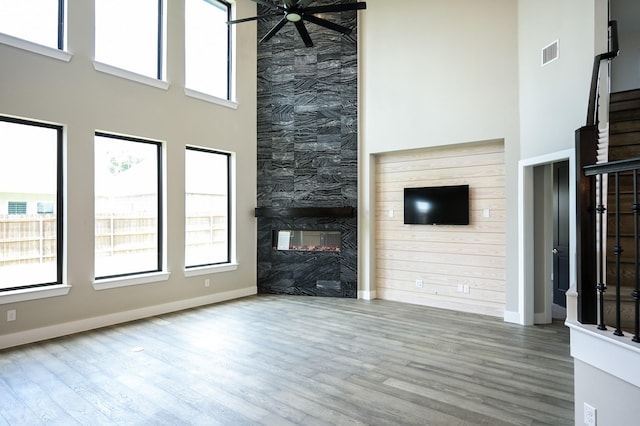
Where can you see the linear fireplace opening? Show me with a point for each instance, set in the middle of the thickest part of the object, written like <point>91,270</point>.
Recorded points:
<point>305,240</point>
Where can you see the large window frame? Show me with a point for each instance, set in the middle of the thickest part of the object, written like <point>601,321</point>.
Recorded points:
<point>194,91</point>
<point>59,201</point>
<point>228,211</point>
<point>59,43</point>
<point>126,72</point>
<point>55,49</point>
<point>159,207</point>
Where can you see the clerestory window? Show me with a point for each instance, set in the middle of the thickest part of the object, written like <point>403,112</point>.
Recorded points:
<point>38,21</point>
<point>208,47</point>
<point>129,34</point>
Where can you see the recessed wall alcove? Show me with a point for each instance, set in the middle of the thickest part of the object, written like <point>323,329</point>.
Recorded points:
<point>307,156</point>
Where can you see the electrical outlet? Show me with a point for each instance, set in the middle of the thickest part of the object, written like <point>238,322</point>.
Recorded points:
<point>466,289</point>
<point>460,288</point>
<point>207,282</point>
<point>419,284</point>
<point>391,213</point>
<point>590,418</point>
<point>11,315</point>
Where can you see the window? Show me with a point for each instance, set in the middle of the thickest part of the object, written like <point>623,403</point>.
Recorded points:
<point>128,206</point>
<point>30,170</point>
<point>207,207</point>
<point>45,208</point>
<point>208,47</point>
<point>129,35</point>
<point>38,21</point>
<point>17,207</point>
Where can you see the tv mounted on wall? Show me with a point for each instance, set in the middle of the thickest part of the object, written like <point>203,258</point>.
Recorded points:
<point>437,205</point>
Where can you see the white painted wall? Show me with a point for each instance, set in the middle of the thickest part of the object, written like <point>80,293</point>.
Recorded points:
<point>437,73</point>
<point>554,98</point>
<point>615,399</point>
<point>83,100</point>
<point>625,69</point>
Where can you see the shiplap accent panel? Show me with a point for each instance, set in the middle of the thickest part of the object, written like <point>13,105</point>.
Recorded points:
<point>443,257</point>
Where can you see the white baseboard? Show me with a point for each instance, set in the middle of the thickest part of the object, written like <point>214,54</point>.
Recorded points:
<point>58,330</point>
<point>367,295</point>
<point>512,317</point>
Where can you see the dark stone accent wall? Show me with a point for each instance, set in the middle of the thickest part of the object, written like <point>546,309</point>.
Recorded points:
<point>307,152</point>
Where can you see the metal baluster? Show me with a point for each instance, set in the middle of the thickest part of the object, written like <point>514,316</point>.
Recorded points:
<point>636,238</point>
<point>617,251</point>
<point>600,210</point>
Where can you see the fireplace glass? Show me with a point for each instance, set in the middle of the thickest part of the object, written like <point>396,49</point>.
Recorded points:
<point>306,240</point>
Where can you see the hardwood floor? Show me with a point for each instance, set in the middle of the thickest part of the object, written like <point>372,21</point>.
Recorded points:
<point>281,360</point>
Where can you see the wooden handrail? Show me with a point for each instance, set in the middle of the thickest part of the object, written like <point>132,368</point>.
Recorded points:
<point>592,113</point>
<point>627,165</point>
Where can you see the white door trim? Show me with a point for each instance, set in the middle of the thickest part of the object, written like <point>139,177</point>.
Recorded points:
<point>525,313</point>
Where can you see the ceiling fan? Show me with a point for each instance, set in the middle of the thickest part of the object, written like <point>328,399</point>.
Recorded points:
<point>298,11</point>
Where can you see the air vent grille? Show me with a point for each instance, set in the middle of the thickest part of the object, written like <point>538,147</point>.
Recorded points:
<point>550,53</point>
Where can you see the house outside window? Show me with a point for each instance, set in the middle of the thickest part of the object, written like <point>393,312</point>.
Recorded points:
<point>129,34</point>
<point>207,207</point>
<point>128,206</point>
<point>208,47</point>
<point>38,21</point>
<point>30,244</point>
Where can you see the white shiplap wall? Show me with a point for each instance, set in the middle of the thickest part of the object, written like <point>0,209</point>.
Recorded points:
<point>443,257</point>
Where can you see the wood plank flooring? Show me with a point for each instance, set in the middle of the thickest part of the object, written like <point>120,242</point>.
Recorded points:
<point>282,360</point>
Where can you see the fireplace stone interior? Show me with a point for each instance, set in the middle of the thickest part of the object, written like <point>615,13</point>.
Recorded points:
<point>307,150</point>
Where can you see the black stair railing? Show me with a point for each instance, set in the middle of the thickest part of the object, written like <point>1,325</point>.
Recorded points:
<point>615,170</point>
<point>589,284</point>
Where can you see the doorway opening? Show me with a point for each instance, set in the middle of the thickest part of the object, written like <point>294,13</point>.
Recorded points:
<point>537,231</point>
<point>551,240</point>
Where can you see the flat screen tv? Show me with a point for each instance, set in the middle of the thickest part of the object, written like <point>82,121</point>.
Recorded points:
<point>437,205</point>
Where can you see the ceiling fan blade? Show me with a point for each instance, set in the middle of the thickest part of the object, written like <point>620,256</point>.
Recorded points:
<point>326,24</point>
<point>303,3</point>
<point>254,18</point>
<point>267,4</point>
<point>304,33</point>
<point>336,8</point>
<point>274,30</point>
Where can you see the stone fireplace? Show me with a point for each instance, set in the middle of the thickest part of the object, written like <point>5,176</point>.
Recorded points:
<point>307,159</point>
<point>310,255</point>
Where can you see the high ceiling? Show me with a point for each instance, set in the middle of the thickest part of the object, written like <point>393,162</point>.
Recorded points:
<point>627,13</point>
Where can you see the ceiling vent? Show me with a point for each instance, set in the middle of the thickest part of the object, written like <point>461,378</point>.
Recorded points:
<point>550,53</point>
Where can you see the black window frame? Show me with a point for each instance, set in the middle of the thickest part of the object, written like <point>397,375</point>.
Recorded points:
<point>229,45</point>
<point>226,5</point>
<point>160,41</point>
<point>59,201</point>
<point>229,207</point>
<point>60,23</point>
<point>160,203</point>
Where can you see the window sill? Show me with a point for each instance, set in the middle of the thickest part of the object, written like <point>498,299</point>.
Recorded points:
<point>210,98</point>
<point>212,269</point>
<point>129,75</point>
<point>32,47</point>
<point>108,283</point>
<point>23,295</point>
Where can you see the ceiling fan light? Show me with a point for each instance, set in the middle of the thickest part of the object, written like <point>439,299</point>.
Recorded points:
<point>293,17</point>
